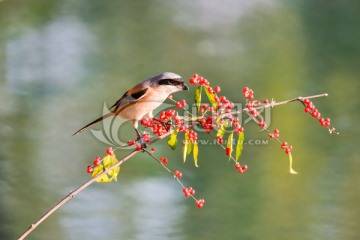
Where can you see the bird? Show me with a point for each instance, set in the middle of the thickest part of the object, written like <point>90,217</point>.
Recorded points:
<point>142,99</point>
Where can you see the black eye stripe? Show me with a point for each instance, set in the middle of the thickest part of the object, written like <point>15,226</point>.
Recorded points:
<point>169,82</point>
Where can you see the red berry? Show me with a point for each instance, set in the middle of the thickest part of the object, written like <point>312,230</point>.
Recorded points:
<point>283,145</point>
<point>306,101</point>
<point>164,160</point>
<point>186,192</point>
<point>228,151</point>
<point>288,149</point>
<point>246,89</point>
<point>219,140</point>
<point>223,99</point>
<point>244,168</point>
<point>153,149</point>
<point>327,122</point>
<point>178,174</point>
<point>200,203</point>
<point>138,147</point>
<point>217,89</point>
<point>191,191</point>
<point>89,169</point>
<point>315,114</point>
<point>178,105</point>
<point>146,137</point>
<point>97,161</point>
<point>266,101</point>
<point>131,142</point>
<point>307,109</point>
<point>276,131</point>
<point>271,135</point>
<point>110,151</point>
<point>237,166</point>
<point>183,102</point>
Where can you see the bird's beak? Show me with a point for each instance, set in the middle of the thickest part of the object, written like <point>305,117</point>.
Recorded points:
<point>185,87</point>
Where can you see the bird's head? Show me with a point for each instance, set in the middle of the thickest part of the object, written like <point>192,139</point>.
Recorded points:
<point>169,82</point>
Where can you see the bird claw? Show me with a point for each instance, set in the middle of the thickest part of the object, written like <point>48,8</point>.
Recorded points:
<point>141,141</point>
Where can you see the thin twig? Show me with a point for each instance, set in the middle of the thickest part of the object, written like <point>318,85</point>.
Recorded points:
<point>83,186</point>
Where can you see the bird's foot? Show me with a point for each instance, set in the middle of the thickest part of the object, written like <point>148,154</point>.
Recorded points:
<point>141,141</point>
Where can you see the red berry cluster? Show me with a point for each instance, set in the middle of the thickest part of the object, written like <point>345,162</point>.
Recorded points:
<point>276,134</point>
<point>97,161</point>
<point>181,104</point>
<point>188,191</point>
<point>311,109</point>
<point>197,79</point>
<point>192,135</point>
<point>248,93</point>
<point>284,145</point>
<point>178,174</point>
<point>164,160</point>
<point>241,169</point>
<point>200,203</point>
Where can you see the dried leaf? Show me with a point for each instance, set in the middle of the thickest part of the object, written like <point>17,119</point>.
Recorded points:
<point>292,171</point>
<point>195,153</point>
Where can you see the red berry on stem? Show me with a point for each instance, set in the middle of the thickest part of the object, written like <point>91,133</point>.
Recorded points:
<point>138,147</point>
<point>89,169</point>
<point>237,166</point>
<point>110,151</point>
<point>266,101</point>
<point>244,168</point>
<point>178,105</point>
<point>178,174</point>
<point>164,160</point>
<point>307,109</point>
<point>97,161</point>
<point>183,102</point>
<point>217,89</point>
<point>191,191</point>
<point>199,203</point>
<point>186,192</point>
<point>153,149</point>
<point>288,149</point>
<point>283,145</point>
<point>306,101</point>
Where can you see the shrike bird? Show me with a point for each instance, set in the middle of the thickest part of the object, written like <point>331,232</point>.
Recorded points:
<point>143,98</point>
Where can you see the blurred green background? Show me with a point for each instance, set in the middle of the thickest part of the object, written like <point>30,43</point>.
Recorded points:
<point>61,60</point>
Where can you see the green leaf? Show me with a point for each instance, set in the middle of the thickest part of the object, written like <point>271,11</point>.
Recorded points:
<point>239,145</point>
<point>292,171</point>
<point>172,142</point>
<point>222,129</point>
<point>197,97</point>
<point>195,153</point>
<point>211,98</point>
<point>229,143</point>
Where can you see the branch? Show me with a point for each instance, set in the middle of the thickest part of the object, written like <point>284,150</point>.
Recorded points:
<point>301,99</point>
<point>83,186</point>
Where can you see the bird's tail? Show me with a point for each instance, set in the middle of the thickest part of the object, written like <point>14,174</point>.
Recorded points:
<point>94,122</point>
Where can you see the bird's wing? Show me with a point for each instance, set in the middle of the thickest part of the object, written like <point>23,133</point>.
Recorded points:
<point>129,97</point>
